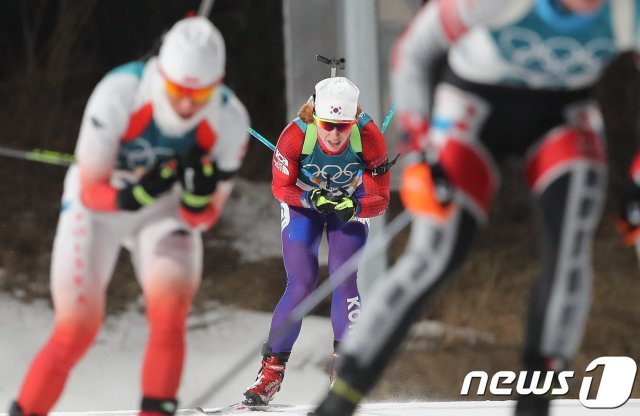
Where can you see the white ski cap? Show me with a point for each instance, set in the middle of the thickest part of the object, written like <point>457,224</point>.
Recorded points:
<point>192,53</point>
<point>336,99</point>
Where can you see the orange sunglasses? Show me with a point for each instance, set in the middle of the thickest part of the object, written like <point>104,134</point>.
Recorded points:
<point>199,95</point>
<point>329,125</point>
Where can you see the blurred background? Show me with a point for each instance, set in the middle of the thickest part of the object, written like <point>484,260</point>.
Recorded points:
<point>53,52</point>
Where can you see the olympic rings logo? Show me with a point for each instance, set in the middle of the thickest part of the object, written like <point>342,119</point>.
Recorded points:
<point>142,153</point>
<point>334,174</point>
<point>557,56</point>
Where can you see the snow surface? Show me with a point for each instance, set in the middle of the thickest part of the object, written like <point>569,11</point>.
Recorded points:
<point>107,377</point>
<point>219,340</point>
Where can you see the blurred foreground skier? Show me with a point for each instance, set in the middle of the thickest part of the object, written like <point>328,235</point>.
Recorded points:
<point>519,82</point>
<point>159,143</point>
<point>339,144</point>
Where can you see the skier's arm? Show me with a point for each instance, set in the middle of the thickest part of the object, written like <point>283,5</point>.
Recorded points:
<point>104,121</point>
<point>229,153</point>
<point>376,188</point>
<point>417,53</point>
<point>285,166</point>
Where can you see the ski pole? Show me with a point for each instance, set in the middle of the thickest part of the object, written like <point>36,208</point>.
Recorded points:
<point>262,139</point>
<point>387,119</point>
<point>313,300</point>
<point>39,155</point>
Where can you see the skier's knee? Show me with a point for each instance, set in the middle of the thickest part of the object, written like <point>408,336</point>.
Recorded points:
<point>70,340</point>
<point>560,148</point>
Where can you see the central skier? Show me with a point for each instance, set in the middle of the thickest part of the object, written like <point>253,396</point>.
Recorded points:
<point>332,141</point>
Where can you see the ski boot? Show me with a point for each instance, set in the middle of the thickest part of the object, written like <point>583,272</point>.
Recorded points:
<point>158,407</point>
<point>15,410</point>
<point>348,388</point>
<point>339,401</point>
<point>269,378</point>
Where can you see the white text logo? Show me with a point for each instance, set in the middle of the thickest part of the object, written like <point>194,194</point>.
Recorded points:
<point>614,389</point>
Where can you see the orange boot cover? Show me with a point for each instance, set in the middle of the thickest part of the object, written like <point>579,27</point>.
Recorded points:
<point>50,368</point>
<point>167,313</point>
<point>468,171</point>
<point>418,194</point>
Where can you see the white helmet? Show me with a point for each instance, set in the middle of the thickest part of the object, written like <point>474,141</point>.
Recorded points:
<point>336,99</point>
<point>192,53</point>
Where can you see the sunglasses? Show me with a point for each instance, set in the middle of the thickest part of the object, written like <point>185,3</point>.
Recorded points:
<point>199,95</point>
<point>329,125</point>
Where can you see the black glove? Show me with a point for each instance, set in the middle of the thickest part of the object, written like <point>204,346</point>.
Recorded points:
<point>320,200</point>
<point>199,180</point>
<point>346,208</point>
<point>441,185</point>
<point>629,222</point>
<point>156,181</point>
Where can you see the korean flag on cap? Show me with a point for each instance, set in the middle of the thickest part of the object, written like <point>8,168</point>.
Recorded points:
<point>336,99</point>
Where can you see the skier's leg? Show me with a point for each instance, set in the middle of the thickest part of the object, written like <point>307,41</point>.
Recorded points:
<point>168,260</point>
<point>84,254</point>
<point>301,234</point>
<point>567,177</point>
<point>436,248</point>
<point>345,240</point>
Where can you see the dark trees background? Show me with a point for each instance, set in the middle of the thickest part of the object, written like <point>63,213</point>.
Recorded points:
<point>55,51</point>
